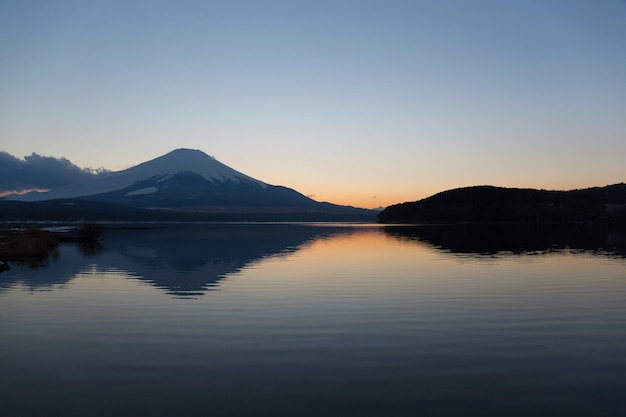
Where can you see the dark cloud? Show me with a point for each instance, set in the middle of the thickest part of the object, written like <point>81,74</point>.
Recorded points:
<point>38,172</point>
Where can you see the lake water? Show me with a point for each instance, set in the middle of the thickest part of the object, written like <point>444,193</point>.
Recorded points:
<point>311,320</point>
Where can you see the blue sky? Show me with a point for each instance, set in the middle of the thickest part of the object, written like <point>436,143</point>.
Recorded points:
<point>355,102</point>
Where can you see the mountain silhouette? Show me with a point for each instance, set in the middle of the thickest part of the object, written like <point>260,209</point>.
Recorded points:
<point>189,181</point>
<point>183,177</point>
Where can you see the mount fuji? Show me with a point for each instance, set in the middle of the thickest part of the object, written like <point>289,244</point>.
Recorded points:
<point>188,180</point>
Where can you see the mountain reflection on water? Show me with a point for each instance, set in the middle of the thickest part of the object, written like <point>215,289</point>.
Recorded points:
<point>503,240</point>
<point>186,260</point>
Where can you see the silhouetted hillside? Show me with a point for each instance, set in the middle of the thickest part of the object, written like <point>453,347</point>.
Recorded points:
<point>72,210</point>
<point>496,204</point>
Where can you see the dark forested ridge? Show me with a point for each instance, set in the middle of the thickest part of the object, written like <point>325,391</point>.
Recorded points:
<point>497,204</point>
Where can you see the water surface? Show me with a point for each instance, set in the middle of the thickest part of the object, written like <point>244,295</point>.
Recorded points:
<point>316,320</point>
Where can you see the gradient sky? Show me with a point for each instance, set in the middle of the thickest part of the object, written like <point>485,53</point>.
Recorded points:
<point>365,103</point>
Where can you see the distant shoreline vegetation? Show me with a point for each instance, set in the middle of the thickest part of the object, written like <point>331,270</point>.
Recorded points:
<point>34,246</point>
<point>82,210</point>
<point>489,204</point>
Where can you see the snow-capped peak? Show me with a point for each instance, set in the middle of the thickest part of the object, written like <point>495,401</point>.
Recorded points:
<point>189,160</point>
